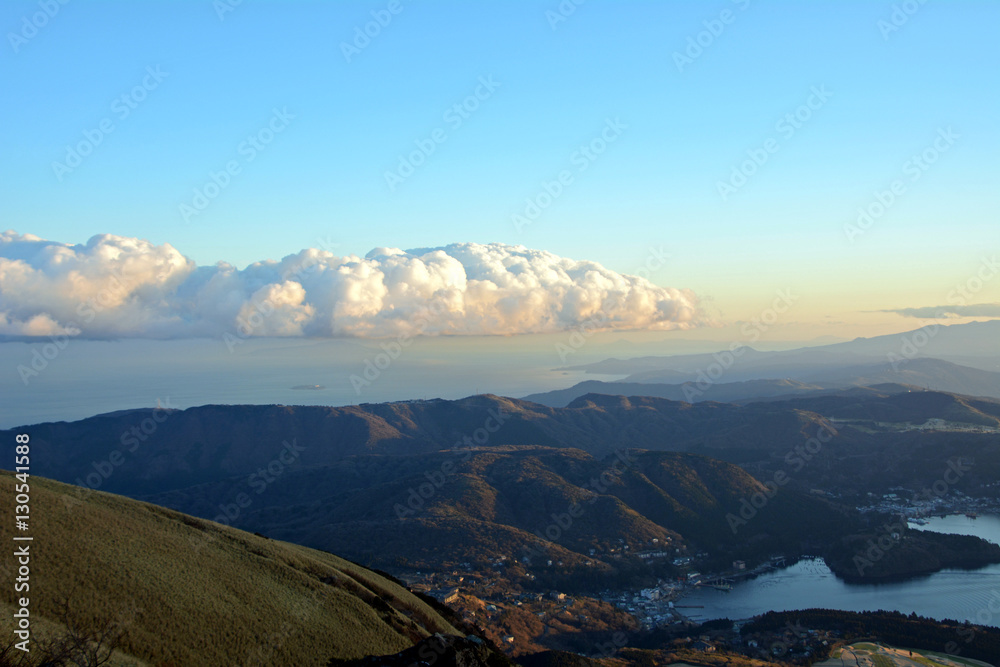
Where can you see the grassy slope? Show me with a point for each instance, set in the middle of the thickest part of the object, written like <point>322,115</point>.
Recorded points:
<point>883,655</point>
<point>203,593</point>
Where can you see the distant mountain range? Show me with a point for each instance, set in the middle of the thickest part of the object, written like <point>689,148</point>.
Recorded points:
<point>974,344</point>
<point>164,450</point>
<point>149,451</point>
<point>808,378</point>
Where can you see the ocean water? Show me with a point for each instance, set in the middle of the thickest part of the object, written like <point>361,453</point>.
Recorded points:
<point>40,382</point>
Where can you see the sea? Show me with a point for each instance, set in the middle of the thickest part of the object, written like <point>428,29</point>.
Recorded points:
<point>41,381</point>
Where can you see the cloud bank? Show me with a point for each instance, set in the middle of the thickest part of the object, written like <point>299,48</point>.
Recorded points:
<point>119,287</point>
<point>937,312</point>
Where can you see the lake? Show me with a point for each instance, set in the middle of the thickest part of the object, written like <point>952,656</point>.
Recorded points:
<point>960,595</point>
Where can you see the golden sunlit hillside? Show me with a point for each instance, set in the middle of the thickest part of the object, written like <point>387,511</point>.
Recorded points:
<point>187,591</point>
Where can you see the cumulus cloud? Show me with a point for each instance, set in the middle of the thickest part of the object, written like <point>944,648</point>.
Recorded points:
<point>939,312</point>
<point>114,286</point>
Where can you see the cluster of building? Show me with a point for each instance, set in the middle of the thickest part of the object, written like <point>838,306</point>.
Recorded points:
<point>915,505</point>
<point>793,642</point>
<point>652,607</point>
<point>932,424</point>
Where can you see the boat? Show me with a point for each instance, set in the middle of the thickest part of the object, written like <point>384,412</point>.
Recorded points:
<point>718,585</point>
<point>972,515</point>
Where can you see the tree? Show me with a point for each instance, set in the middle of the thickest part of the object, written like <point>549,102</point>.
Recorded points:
<point>87,641</point>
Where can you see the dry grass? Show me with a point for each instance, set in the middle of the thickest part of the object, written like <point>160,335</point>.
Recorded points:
<point>193,592</point>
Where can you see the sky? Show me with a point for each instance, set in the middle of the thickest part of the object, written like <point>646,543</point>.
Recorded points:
<point>722,150</point>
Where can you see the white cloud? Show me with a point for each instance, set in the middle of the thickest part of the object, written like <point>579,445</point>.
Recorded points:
<point>115,286</point>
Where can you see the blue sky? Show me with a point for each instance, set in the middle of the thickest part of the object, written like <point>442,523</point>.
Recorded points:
<point>656,184</point>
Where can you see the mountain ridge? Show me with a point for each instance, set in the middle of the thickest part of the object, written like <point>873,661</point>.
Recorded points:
<point>689,386</point>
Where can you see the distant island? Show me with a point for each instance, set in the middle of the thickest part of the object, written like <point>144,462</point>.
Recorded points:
<point>309,387</point>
